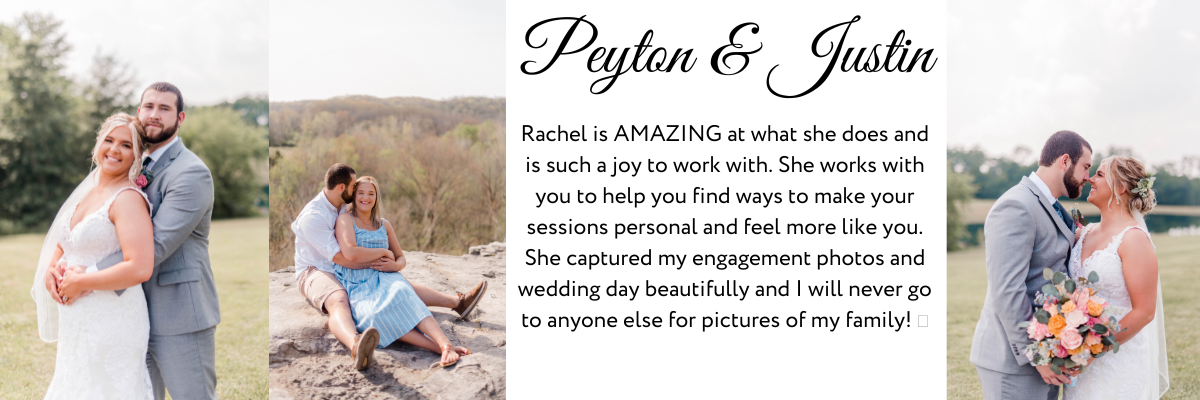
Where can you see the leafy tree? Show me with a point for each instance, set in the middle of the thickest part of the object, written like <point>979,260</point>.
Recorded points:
<point>959,191</point>
<point>227,145</point>
<point>44,152</point>
<point>110,90</point>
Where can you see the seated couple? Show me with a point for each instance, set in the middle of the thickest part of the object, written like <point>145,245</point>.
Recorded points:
<point>348,264</point>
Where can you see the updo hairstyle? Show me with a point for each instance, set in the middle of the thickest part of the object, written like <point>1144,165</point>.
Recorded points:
<point>1127,172</point>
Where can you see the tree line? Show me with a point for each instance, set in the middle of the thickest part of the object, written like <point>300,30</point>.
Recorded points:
<point>974,174</point>
<point>49,122</point>
<point>440,166</point>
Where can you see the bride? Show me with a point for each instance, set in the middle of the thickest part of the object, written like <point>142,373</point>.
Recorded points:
<point>1119,250</point>
<point>102,337</point>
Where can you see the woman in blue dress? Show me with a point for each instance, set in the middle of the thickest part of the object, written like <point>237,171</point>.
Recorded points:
<point>380,299</point>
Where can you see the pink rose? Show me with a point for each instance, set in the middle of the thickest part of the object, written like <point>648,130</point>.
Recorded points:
<point>1075,319</point>
<point>1091,339</point>
<point>1080,297</point>
<point>1038,331</point>
<point>1070,339</point>
<point>1060,351</point>
<point>1050,308</point>
<point>141,181</point>
<point>1093,321</point>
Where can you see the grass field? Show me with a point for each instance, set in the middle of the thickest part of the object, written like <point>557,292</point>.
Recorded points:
<point>1178,258</point>
<point>238,250</point>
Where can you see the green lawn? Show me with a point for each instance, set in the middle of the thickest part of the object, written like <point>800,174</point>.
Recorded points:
<point>239,253</point>
<point>1178,258</point>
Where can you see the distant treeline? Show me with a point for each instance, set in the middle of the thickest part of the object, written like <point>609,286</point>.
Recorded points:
<point>288,120</point>
<point>1176,183</point>
<point>49,121</point>
<point>440,165</point>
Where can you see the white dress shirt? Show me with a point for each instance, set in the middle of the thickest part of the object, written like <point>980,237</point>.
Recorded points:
<point>1042,185</point>
<point>156,154</point>
<point>315,241</point>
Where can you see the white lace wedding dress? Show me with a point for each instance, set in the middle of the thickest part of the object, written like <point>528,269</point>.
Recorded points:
<point>1132,372</point>
<point>102,337</point>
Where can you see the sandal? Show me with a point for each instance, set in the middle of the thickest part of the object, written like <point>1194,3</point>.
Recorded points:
<point>364,347</point>
<point>439,364</point>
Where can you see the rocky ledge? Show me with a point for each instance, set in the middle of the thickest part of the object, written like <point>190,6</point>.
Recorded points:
<point>307,362</point>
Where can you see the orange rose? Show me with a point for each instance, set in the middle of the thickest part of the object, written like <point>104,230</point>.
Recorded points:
<point>1075,351</point>
<point>1096,348</point>
<point>1094,309</point>
<point>1056,325</point>
<point>1068,306</point>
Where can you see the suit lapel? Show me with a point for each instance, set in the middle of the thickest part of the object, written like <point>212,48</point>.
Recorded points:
<point>161,165</point>
<point>1048,205</point>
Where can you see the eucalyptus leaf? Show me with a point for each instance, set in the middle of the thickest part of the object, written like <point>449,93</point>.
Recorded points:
<point>1070,286</point>
<point>1116,346</point>
<point>1083,329</point>
<point>1047,273</point>
<point>1059,277</point>
<point>1042,316</point>
<point>1093,277</point>
<point>1071,364</point>
<point>1049,290</point>
<point>1024,324</point>
<point>1100,329</point>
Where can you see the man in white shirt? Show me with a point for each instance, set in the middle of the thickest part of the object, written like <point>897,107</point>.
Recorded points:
<point>317,250</point>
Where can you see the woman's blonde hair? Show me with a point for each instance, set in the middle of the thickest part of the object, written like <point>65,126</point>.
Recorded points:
<point>376,210</point>
<point>1125,172</point>
<point>136,132</point>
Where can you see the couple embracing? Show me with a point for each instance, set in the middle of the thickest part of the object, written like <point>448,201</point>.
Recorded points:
<point>1028,230</point>
<point>124,283</point>
<point>348,263</point>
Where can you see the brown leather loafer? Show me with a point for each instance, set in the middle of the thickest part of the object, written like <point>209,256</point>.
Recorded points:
<point>467,302</point>
<point>364,347</point>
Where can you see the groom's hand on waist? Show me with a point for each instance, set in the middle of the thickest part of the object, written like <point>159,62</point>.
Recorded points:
<point>386,264</point>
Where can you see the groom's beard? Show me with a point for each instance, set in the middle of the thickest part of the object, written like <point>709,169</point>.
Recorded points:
<point>163,135</point>
<point>348,198</point>
<point>1074,187</point>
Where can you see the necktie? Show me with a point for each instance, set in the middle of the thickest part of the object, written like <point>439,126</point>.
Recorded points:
<point>1065,217</point>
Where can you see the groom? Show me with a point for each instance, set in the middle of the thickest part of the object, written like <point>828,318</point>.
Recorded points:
<point>1026,231</point>
<point>180,295</point>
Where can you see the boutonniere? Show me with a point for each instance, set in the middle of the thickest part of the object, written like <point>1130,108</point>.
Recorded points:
<point>1078,217</point>
<point>144,179</point>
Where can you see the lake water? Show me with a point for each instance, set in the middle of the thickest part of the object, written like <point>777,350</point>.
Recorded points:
<point>1156,223</point>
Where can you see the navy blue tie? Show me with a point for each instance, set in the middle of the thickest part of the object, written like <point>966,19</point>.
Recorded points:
<point>1065,217</point>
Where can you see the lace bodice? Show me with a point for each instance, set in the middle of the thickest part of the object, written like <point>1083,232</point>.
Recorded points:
<point>1106,263</point>
<point>1130,373</point>
<point>95,236</point>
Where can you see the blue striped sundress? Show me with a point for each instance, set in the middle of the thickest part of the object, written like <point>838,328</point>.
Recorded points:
<point>384,300</point>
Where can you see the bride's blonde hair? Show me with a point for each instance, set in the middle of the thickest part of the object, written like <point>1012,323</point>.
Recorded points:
<point>1125,172</point>
<point>136,132</point>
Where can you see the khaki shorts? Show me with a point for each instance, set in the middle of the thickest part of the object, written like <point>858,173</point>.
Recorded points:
<point>317,285</point>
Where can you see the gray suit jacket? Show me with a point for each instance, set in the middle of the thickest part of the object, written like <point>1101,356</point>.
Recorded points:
<point>1022,234</point>
<point>181,294</point>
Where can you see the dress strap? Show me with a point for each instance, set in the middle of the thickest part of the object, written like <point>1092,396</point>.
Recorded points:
<point>1116,240</point>
<point>108,204</point>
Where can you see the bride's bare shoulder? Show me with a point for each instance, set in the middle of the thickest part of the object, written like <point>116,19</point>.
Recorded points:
<point>1136,244</point>
<point>129,201</point>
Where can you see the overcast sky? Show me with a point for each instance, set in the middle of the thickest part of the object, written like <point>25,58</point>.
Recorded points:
<point>213,50</point>
<point>433,49</point>
<point>1123,73</point>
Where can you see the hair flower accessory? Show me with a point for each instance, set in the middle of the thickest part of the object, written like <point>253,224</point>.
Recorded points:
<point>1144,185</point>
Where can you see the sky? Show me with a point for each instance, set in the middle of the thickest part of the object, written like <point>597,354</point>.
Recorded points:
<point>1120,73</point>
<point>431,49</point>
<point>213,50</point>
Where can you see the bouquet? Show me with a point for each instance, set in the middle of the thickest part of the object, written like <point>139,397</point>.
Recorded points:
<point>1073,326</point>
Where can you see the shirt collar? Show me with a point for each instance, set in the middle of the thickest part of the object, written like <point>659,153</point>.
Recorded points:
<point>154,156</point>
<point>324,201</point>
<point>1042,186</point>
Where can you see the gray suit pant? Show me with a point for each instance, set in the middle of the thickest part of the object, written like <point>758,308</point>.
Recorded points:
<point>997,386</point>
<point>184,364</point>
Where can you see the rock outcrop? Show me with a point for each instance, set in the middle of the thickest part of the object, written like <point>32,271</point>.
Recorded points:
<point>307,362</point>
